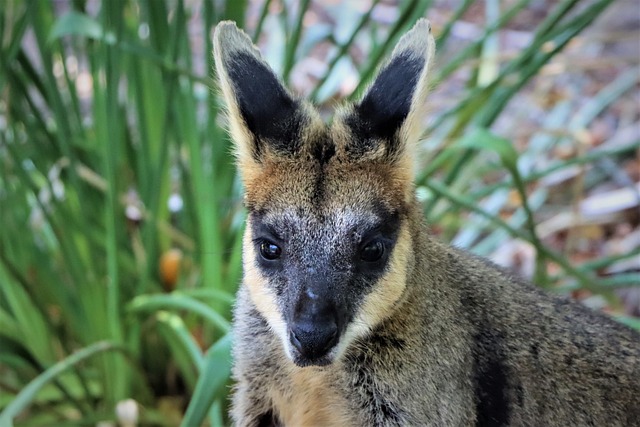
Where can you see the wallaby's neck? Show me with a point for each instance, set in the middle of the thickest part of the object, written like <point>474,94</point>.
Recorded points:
<point>428,279</point>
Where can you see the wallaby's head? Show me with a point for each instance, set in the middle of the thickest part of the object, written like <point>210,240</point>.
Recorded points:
<point>327,247</point>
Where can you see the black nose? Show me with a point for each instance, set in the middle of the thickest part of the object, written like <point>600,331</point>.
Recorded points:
<point>314,340</point>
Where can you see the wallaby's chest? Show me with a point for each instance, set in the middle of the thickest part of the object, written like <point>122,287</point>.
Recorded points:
<point>310,397</point>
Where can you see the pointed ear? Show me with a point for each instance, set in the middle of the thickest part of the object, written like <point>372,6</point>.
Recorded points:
<point>263,116</point>
<point>388,116</point>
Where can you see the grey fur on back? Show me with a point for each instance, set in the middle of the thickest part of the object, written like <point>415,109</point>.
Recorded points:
<point>462,342</point>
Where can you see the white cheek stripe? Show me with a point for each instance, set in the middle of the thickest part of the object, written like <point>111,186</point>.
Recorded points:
<point>261,295</point>
<point>379,304</point>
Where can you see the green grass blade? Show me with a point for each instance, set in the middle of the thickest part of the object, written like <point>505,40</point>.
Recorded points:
<point>235,10</point>
<point>633,322</point>
<point>404,21</point>
<point>208,294</point>
<point>343,48</point>
<point>184,350</point>
<point>108,61</point>
<point>263,14</point>
<point>217,367</point>
<point>27,394</point>
<point>77,24</point>
<point>292,43</point>
<point>150,303</point>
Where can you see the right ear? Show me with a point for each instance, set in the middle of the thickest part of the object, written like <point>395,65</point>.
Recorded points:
<point>263,117</point>
<point>387,121</point>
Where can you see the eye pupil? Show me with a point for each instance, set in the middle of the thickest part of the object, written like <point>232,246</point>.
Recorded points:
<point>270,251</point>
<point>372,252</point>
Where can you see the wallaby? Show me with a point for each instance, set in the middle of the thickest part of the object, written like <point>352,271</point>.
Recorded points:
<point>351,314</point>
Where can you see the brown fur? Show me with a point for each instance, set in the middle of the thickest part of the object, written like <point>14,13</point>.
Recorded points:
<point>434,337</point>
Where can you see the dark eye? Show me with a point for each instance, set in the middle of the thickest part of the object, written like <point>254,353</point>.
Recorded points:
<point>373,251</point>
<point>270,251</point>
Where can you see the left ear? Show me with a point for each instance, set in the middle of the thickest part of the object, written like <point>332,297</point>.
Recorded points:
<point>388,116</point>
<point>263,116</point>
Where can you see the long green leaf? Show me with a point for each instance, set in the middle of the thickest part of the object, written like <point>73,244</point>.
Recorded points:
<point>147,303</point>
<point>26,396</point>
<point>77,24</point>
<point>217,367</point>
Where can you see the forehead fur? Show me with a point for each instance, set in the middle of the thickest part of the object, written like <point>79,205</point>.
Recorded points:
<point>288,156</point>
<point>310,183</point>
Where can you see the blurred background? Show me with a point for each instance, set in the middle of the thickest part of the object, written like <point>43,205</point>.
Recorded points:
<point>121,211</point>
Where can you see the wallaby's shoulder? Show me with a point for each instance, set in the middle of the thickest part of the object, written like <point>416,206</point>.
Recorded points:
<point>505,299</point>
<point>528,345</point>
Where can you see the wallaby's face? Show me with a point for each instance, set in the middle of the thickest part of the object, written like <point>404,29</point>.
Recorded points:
<point>327,246</point>
<point>320,254</point>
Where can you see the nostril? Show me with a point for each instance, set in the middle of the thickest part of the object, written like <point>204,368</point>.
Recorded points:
<point>331,340</point>
<point>295,341</point>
